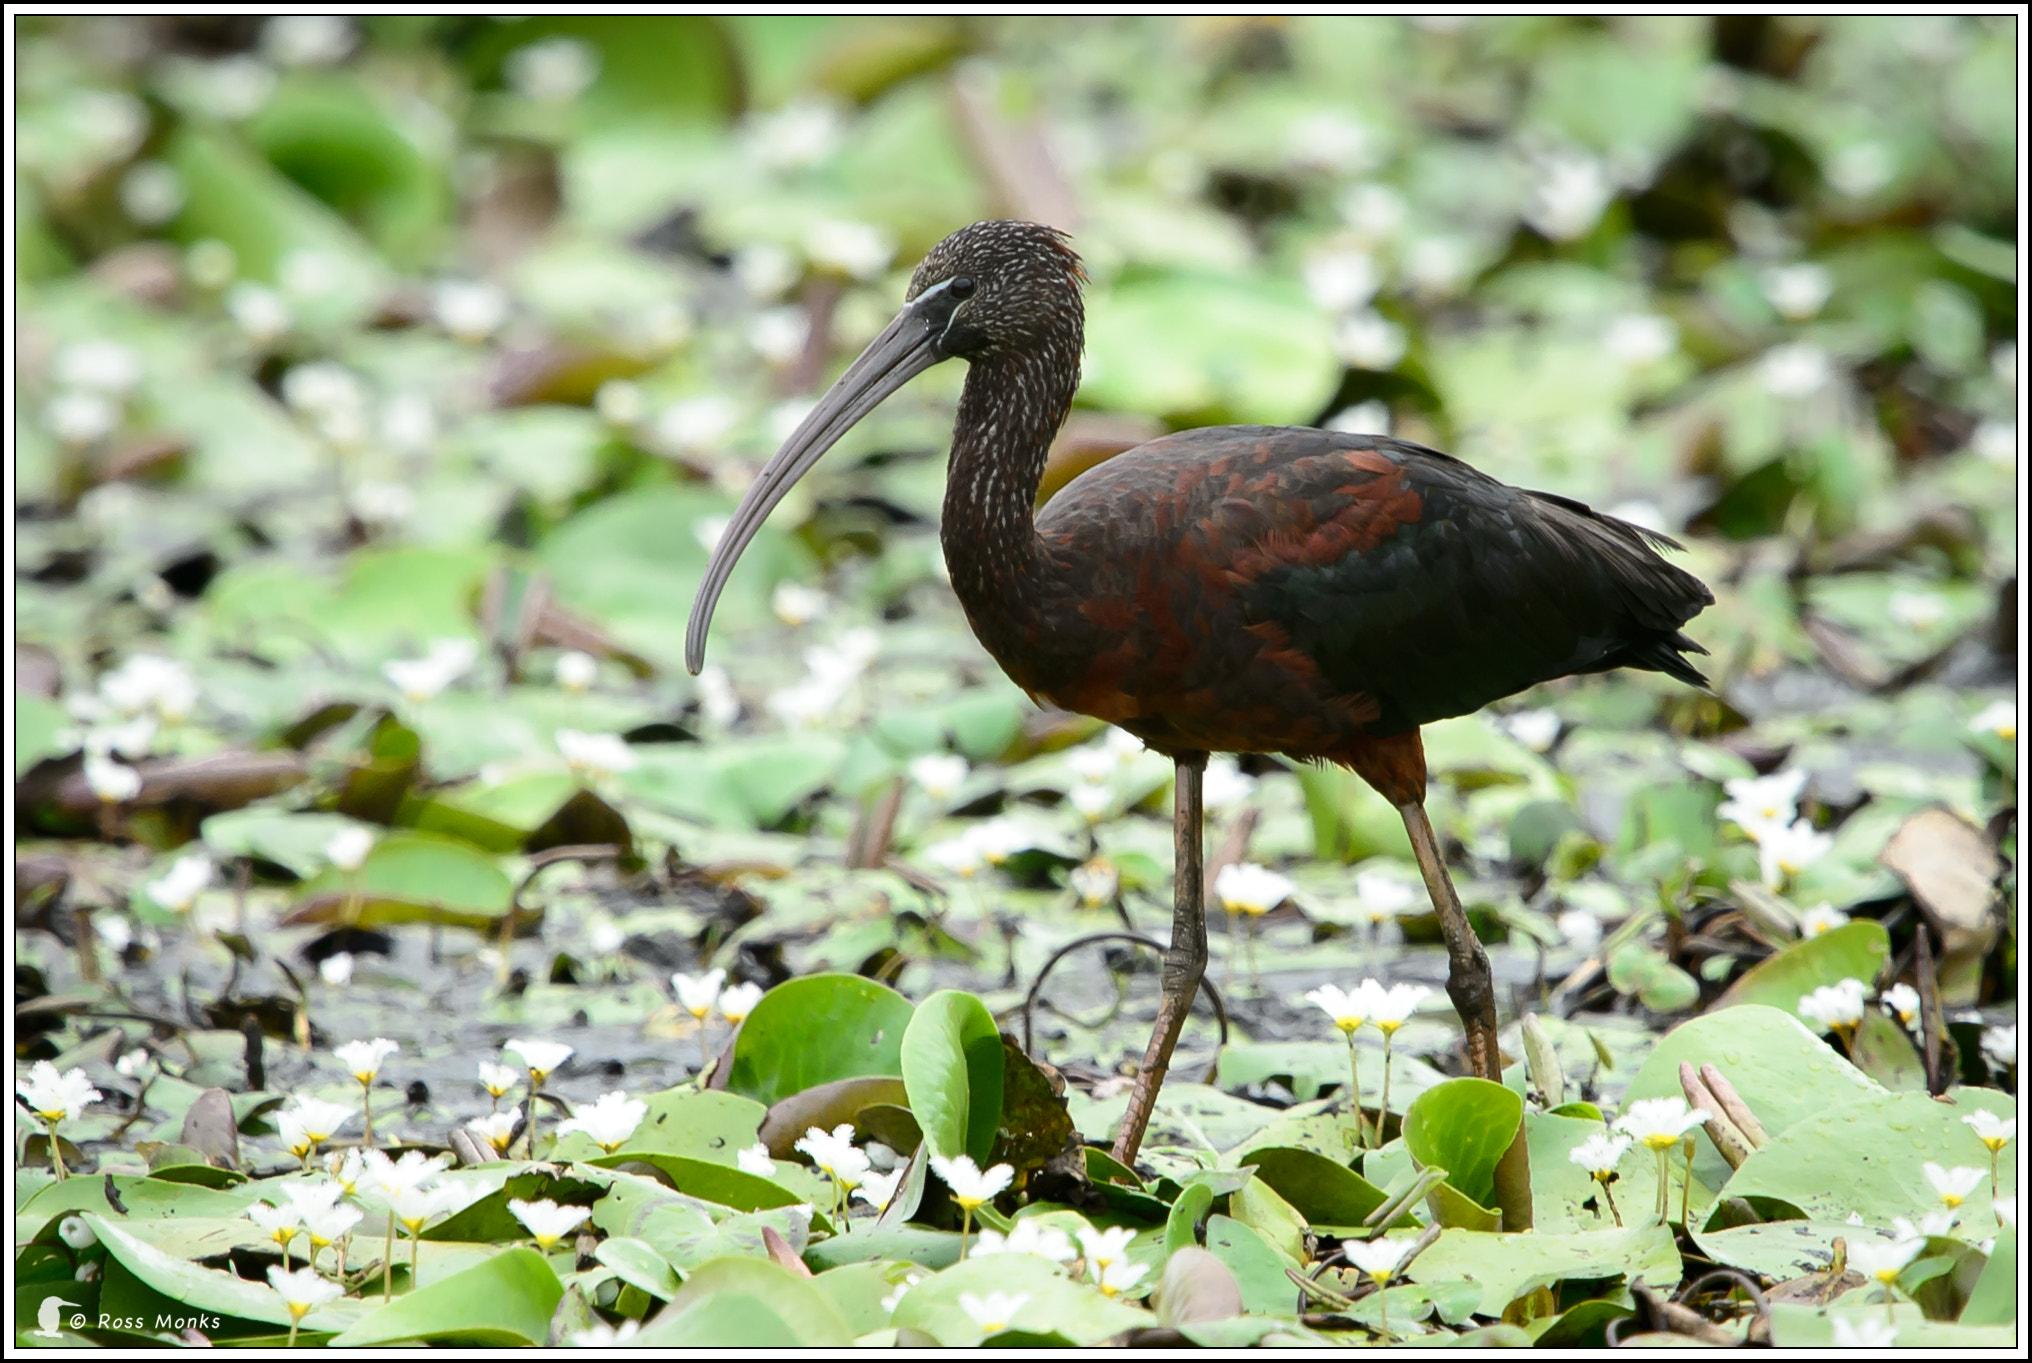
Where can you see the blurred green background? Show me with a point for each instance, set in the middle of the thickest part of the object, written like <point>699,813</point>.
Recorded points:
<point>338,337</point>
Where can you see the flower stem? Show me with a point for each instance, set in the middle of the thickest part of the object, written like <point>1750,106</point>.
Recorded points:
<point>367,1109</point>
<point>388,1260</point>
<point>1355,1095</point>
<point>966,1220</point>
<point>415,1248</point>
<point>705,1058</point>
<point>1686,1184</point>
<point>1611,1197</point>
<point>56,1152</point>
<point>1383,1111</point>
<point>1255,980</point>
<point>1383,1302</point>
<point>1664,1182</point>
<point>294,1321</point>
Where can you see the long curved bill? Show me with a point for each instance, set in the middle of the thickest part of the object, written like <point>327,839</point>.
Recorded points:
<point>906,348</point>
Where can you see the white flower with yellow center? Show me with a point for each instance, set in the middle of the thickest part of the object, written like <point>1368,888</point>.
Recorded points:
<point>608,1121</point>
<point>546,1222</point>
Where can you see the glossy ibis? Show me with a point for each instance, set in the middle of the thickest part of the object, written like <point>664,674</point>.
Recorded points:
<point>1236,588</point>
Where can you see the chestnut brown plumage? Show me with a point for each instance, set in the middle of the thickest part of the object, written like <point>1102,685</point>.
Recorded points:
<point>1236,588</point>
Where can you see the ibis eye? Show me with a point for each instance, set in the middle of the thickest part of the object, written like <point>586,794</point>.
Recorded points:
<point>962,286</point>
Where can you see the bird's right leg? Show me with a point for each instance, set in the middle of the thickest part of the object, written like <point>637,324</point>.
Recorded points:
<point>1469,981</point>
<point>1184,963</point>
<point>1395,766</point>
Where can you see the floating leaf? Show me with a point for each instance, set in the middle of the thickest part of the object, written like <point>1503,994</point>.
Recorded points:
<point>1464,1126</point>
<point>1855,950</point>
<point>816,1030</point>
<point>952,1069</point>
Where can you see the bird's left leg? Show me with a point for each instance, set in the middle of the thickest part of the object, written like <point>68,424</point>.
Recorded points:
<point>1395,766</point>
<point>1184,963</point>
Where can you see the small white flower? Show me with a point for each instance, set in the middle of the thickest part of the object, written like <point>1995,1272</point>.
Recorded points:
<point>1933,1223</point>
<point>1883,1261</point>
<point>1369,340</point>
<point>970,1184</point>
<point>1863,1332</point>
<point>779,334</point>
<point>1763,799</point>
<point>1658,1123</point>
<point>385,1178</point>
<point>307,1197</point>
<point>941,774</point>
<point>148,682</point>
<point>319,1118</point>
<point>279,1223</point>
<point>187,879</point>
<point>1798,291</point>
<point>1581,929</point>
<point>1953,1185</point>
<point>132,740</point>
<point>337,969</point>
<point>1104,1247</point>
<point>1820,918</point>
<point>1092,765</point>
<point>1862,168</point>
<point>113,782</point>
<point>621,402</point>
<point>328,1225</point>
<point>895,1299</point>
<point>259,311</point>
<point>1835,1005</point>
<point>408,423</point>
<point>1391,1008</point>
<point>554,70</point>
<point>1224,786</point>
<point>595,755</point>
<point>1599,1153</point>
<point>1092,803</point>
<point>152,192</point>
<point>302,1290</point>
<point>608,1122</point>
<point>363,1059</point>
<point>1795,370</point>
<point>1096,882</point>
<point>1784,850</point>
<point>719,705</point>
<point>879,1190</point>
<point>697,994</point>
<point>836,1154</point>
<point>1377,1258</point>
<point>541,1057</point>
<point>1119,1277</point>
<point>1992,1130</point>
<point>498,1079</point>
<point>2000,1044</point>
<point>1027,1236</point>
<point>308,39</point>
<point>1995,441</point>
<point>210,264</point>
<point>1246,887</point>
<point>53,1095</point>
<point>1999,717</point>
<point>1364,418</point>
<point>75,1232</point>
<point>134,1064</point>
<point>347,848</point>
<point>419,679</point>
<point>1376,212</point>
<point>496,1129</point>
<point>796,604</point>
<point>1341,281</point>
<point>576,671</point>
<point>797,136</point>
<point>997,840</point>
<point>1921,611</point>
<point>80,419</point>
<point>766,270</point>
<point>1903,1001</point>
<point>469,310</point>
<point>100,365</point>
<point>414,1207</point>
<point>755,1160</point>
<point>1570,195</point>
<point>739,1000</point>
<point>1535,729</point>
<point>294,1138</point>
<point>1332,142</point>
<point>601,1335</point>
<point>859,249</point>
<point>347,1169</point>
<point>1640,338</point>
<point>547,1222</point>
<point>994,1311</point>
<point>1350,1010</point>
<point>958,855</point>
<point>1382,897</point>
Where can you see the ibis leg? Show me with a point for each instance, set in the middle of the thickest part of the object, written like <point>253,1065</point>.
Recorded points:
<point>1469,982</point>
<point>1184,963</point>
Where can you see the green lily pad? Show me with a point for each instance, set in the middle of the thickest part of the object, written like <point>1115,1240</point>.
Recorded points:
<point>1074,1310</point>
<point>638,1265</point>
<point>201,1289</point>
<point>1782,1071</point>
<point>1325,1192</point>
<point>811,1031</point>
<point>1865,1157</point>
<point>952,1070</point>
<point>411,878</point>
<point>505,1300</point>
<point>1463,1126</point>
<point>791,1299</point>
<point>1857,950</point>
<point>1508,1264</point>
<point>1257,1264</point>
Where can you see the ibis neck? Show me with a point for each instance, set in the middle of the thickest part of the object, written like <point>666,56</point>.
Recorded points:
<point>1010,408</point>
